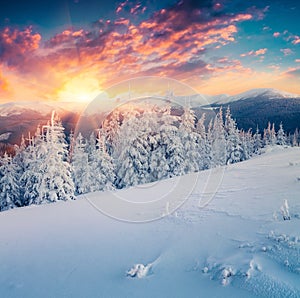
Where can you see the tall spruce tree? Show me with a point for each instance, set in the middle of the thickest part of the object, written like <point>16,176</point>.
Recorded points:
<point>9,188</point>
<point>56,183</point>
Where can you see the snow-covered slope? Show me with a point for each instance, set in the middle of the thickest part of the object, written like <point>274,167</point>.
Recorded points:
<point>236,246</point>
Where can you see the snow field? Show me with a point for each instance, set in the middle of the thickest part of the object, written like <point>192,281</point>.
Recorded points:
<point>233,247</point>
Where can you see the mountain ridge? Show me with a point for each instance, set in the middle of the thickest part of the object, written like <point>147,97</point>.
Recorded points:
<point>251,108</point>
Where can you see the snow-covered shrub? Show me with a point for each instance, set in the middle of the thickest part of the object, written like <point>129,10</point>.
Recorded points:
<point>285,210</point>
<point>227,272</point>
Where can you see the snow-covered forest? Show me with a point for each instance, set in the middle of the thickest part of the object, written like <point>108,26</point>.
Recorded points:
<point>132,146</point>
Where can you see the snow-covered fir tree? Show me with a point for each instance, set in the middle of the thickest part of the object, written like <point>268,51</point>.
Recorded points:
<point>9,188</point>
<point>56,183</point>
<point>170,140</point>
<point>218,140</point>
<point>281,136</point>
<point>234,149</point>
<point>134,146</point>
<point>110,128</point>
<point>273,138</point>
<point>208,149</point>
<point>101,166</point>
<point>295,141</point>
<point>129,153</point>
<point>80,165</point>
<point>191,141</point>
<point>203,145</point>
<point>19,162</point>
<point>269,135</point>
<point>257,142</point>
<point>33,158</point>
<point>247,144</point>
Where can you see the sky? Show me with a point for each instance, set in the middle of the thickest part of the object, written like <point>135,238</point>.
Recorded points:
<point>70,50</point>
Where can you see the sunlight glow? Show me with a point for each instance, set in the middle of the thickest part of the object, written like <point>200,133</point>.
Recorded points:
<point>79,89</point>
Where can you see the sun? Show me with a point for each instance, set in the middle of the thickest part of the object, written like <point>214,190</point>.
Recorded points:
<point>79,89</point>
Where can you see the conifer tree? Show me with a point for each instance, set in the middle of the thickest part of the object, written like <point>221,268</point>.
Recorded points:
<point>234,148</point>
<point>80,166</point>
<point>191,141</point>
<point>101,166</point>
<point>56,183</point>
<point>9,188</point>
<point>257,142</point>
<point>218,140</point>
<point>281,136</point>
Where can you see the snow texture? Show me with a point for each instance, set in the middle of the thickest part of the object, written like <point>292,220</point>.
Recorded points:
<point>239,245</point>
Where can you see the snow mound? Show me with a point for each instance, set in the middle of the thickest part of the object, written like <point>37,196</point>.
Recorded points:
<point>139,270</point>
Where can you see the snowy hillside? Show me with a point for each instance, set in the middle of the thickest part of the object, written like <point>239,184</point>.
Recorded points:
<point>236,246</point>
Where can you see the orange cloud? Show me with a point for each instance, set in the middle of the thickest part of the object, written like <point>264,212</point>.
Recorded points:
<point>172,42</point>
<point>16,44</point>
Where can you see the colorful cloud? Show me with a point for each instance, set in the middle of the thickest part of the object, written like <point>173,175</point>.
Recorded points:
<point>183,41</point>
<point>255,53</point>
<point>286,52</point>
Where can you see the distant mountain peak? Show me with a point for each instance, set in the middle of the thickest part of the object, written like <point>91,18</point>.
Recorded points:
<point>265,92</point>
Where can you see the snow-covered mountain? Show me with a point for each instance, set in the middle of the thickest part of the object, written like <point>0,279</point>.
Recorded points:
<point>43,108</point>
<point>266,93</point>
<point>257,107</point>
<point>19,118</point>
<point>269,93</point>
<point>197,100</point>
<point>251,108</point>
<point>238,245</point>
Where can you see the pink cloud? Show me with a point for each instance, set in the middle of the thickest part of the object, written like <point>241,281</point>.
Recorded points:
<point>296,39</point>
<point>255,53</point>
<point>16,44</point>
<point>218,6</point>
<point>286,52</point>
<point>258,13</point>
<point>121,6</point>
<point>137,8</point>
<point>276,34</point>
<point>292,72</point>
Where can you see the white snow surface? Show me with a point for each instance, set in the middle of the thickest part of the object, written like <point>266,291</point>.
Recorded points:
<point>236,246</point>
